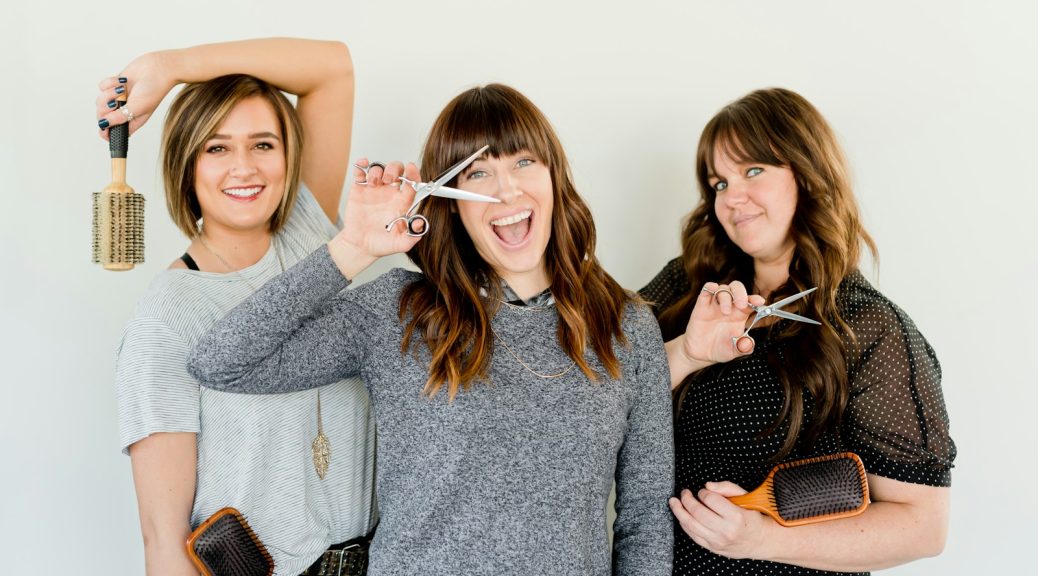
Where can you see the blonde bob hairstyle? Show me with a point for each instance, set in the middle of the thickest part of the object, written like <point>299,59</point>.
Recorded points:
<point>195,115</point>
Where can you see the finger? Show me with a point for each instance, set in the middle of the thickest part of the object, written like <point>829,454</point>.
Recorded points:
<point>110,82</point>
<point>724,298</point>
<point>688,523</point>
<point>744,345</point>
<point>412,173</point>
<point>726,489</point>
<point>392,172</point>
<point>359,176</point>
<point>706,294</point>
<point>720,505</point>
<point>739,295</point>
<point>757,300</point>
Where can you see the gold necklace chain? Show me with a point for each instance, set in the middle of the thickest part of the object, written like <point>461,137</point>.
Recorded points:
<point>524,364</point>
<point>321,447</point>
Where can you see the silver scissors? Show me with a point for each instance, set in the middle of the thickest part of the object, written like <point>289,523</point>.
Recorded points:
<point>436,188</point>
<point>773,310</point>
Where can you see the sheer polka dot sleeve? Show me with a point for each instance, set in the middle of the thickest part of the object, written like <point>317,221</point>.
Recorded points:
<point>896,418</point>
<point>669,285</point>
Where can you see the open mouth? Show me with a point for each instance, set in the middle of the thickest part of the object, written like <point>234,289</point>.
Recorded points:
<point>244,192</point>
<point>512,230</point>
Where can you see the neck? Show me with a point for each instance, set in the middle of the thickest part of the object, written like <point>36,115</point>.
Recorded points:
<point>770,273</point>
<point>231,250</point>
<point>527,285</point>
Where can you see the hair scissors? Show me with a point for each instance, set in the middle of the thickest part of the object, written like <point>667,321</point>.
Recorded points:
<point>773,310</point>
<point>436,188</point>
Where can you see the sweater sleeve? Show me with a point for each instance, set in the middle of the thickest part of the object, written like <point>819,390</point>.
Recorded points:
<point>297,332</point>
<point>643,533</point>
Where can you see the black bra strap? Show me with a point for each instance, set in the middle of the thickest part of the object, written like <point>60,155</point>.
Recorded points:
<point>189,261</point>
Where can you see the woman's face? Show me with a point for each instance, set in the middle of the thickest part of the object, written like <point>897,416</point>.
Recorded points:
<point>240,174</point>
<point>513,235</point>
<point>755,204</point>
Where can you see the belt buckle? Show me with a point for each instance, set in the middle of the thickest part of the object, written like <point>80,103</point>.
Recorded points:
<point>337,561</point>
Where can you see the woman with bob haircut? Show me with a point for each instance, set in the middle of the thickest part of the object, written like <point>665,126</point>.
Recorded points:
<point>512,379</point>
<point>255,184</point>
<point>777,216</point>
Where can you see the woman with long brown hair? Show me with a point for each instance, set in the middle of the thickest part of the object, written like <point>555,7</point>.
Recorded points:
<point>777,216</point>
<point>512,379</point>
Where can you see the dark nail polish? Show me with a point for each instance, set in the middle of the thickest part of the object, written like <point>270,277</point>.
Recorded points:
<point>111,103</point>
<point>120,89</point>
<point>102,123</point>
<point>122,79</point>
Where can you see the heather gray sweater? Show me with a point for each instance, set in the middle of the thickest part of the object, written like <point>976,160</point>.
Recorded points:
<point>512,477</point>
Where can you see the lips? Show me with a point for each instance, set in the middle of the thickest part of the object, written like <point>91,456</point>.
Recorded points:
<point>243,192</point>
<point>513,229</point>
<point>744,219</point>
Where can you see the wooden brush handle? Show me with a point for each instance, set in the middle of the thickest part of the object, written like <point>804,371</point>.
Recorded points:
<point>760,499</point>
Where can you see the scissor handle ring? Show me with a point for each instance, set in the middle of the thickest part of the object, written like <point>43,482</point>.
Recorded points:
<point>392,223</point>
<point>737,339</point>
<point>365,169</point>
<point>410,226</point>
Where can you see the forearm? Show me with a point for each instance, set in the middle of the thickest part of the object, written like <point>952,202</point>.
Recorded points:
<point>294,65</point>
<point>288,336</point>
<point>887,534</point>
<point>164,467</point>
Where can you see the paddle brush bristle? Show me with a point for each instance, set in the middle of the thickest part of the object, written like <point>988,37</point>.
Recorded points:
<point>225,545</point>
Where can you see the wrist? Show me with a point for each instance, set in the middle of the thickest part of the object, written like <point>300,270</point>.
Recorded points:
<point>349,258</point>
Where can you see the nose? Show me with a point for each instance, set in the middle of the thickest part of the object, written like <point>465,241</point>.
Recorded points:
<point>736,194</point>
<point>242,164</point>
<point>507,187</point>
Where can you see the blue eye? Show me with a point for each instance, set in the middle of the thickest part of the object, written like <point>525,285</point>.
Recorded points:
<point>524,162</point>
<point>720,186</point>
<point>753,172</point>
<point>475,175</point>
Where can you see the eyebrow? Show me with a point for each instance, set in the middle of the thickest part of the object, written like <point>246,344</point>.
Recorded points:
<point>251,136</point>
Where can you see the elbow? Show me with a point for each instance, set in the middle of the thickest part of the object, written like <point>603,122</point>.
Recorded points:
<point>340,61</point>
<point>935,527</point>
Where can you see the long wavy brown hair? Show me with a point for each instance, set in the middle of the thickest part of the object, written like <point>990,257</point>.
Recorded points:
<point>779,127</point>
<point>445,308</point>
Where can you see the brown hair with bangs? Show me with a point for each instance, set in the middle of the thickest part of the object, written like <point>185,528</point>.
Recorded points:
<point>445,308</point>
<point>779,127</point>
<point>194,116</point>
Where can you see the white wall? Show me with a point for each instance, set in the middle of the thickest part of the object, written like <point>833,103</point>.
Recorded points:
<point>934,101</point>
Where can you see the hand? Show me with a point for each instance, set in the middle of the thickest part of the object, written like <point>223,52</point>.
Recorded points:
<point>721,527</point>
<point>369,208</point>
<point>147,83</point>
<point>719,315</point>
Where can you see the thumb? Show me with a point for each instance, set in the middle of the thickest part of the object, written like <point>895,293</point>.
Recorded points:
<point>726,489</point>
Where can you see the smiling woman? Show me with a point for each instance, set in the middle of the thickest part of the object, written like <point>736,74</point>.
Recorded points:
<point>555,377</point>
<point>252,200</point>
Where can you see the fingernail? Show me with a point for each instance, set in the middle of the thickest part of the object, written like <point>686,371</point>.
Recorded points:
<point>120,89</point>
<point>111,103</point>
<point>102,123</point>
<point>122,79</point>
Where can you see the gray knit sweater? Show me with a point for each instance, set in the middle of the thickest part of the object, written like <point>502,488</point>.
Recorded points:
<point>512,477</point>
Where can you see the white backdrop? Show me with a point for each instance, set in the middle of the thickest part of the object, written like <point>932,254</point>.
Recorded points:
<point>934,101</point>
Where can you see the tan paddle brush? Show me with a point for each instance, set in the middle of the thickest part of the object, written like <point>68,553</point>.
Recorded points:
<point>118,210</point>
<point>225,545</point>
<point>811,490</point>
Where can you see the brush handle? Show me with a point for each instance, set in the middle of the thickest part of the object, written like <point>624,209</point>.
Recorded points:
<point>119,135</point>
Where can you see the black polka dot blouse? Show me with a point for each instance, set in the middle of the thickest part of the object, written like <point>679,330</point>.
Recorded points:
<point>895,418</point>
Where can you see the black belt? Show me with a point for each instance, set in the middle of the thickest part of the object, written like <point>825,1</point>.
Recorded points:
<point>349,558</point>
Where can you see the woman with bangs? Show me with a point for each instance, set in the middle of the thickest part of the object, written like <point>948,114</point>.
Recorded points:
<point>504,414</point>
<point>777,216</point>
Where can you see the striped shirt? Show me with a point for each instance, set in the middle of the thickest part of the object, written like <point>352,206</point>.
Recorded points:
<point>253,451</point>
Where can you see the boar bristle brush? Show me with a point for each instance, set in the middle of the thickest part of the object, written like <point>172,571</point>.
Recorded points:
<point>811,490</point>
<point>118,210</point>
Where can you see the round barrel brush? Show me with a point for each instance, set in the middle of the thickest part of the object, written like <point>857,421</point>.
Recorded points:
<point>811,490</point>
<point>118,211</point>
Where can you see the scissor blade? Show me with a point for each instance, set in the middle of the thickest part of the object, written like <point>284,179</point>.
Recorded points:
<point>792,316</point>
<point>793,298</point>
<point>448,192</point>
<point>457,168</point>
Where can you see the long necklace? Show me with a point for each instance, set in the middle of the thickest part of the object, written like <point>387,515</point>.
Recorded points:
<point>321,447</point>
<point>528,309</point>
